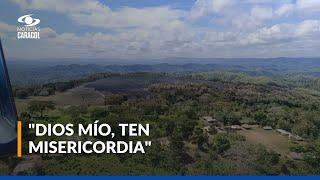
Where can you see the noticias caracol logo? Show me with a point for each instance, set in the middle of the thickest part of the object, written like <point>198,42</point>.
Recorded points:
<point>28,20</point>
<point>29,30</point>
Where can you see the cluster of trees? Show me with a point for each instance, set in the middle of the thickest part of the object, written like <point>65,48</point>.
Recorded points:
<point>44,90</point>
<point>37,108</point>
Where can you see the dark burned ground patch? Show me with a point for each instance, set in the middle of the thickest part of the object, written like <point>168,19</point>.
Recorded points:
<point>139,82</point>
<point>135,82</point>
<point>130,84</point>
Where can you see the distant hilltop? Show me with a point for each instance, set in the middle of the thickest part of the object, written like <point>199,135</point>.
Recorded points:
<point>25,72</point>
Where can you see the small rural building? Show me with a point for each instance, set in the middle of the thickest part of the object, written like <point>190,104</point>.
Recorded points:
<point>267,128</point>
<point>164,141</point>
<point>209,119</point>
<point>236,127</point>
<point>246,126</point>
<point>295,137</point>
<point>44,92</point>
<point>284,132</point>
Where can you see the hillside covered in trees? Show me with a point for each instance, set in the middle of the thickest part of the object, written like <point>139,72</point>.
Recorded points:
<point>211,122</point>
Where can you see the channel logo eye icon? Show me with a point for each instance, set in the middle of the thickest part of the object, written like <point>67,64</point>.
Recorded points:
<point>28,20</point>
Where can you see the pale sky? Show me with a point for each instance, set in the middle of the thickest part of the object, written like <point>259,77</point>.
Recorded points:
<point>153,29</point>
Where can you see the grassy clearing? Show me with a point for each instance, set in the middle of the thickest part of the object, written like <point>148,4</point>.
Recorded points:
<point>270,139</point>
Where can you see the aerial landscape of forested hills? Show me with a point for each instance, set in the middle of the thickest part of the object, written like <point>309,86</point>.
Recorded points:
<point>251,118</point>
<point>225,87</point>
<point>39,72</point>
